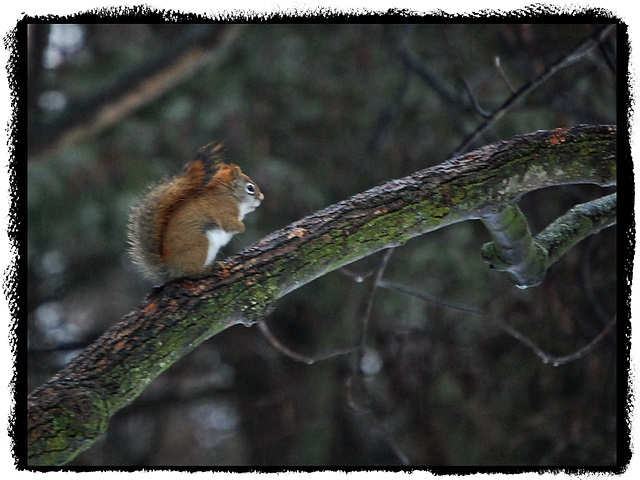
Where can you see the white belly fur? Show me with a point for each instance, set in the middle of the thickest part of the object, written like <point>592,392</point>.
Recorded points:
<point>218,238</point>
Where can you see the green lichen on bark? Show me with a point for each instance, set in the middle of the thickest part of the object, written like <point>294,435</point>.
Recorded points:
<point>73,427</point>
<point>525,258</point>
<point>513,249</point>
<point>577,224</point>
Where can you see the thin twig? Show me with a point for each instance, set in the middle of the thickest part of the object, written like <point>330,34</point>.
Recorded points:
<point>388,115</point>
<point>459,71</point>
<point>374,419</point>
<point>388,437</point>
<point>309,360</point>
<point>378,277</point>
<point>413,63</point>
<point>351,401</point>
<point>546,358</point>
<point>496,62</point>
<point>555,361</point>
<point>609,59</point>
<point>576,54</point>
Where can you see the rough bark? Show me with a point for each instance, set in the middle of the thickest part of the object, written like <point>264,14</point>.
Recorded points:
<point>69,412</point>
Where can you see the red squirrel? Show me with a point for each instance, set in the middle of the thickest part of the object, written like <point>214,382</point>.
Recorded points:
<point>177,228</point>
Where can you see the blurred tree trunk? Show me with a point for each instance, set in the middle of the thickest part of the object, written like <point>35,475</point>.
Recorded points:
<point>68,413</point>
<point>90,116</point>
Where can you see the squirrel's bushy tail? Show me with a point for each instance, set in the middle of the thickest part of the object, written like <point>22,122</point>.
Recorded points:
<point>142,234</point>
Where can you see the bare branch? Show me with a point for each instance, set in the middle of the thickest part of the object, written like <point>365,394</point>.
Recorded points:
<point>367,313</point>
<point>527,259</point>
<point>416,65</point>
<point>309,360</point>
<point>577,224</point>
<point>513,248</point>
<point>511,331</point>
<point>576,54</point>
<point>498,64</point>
<point>462,77</point>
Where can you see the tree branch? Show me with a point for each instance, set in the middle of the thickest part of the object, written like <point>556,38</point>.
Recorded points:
<point>69,412</point>
<point>576,225</point>
<point>513,248</point>
<point>527,259</point>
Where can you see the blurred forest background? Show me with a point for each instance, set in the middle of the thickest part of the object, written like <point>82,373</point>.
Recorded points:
<point>314,114</point>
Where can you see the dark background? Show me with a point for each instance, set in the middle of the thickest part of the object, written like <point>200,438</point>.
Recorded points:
<point>314,114</point>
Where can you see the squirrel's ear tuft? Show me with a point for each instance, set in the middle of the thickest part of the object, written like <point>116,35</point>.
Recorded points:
<point>211,157</point>
<point>210,153</point>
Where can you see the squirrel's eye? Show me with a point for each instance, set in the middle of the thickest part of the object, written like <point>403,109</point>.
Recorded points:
<point>250,188</point>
